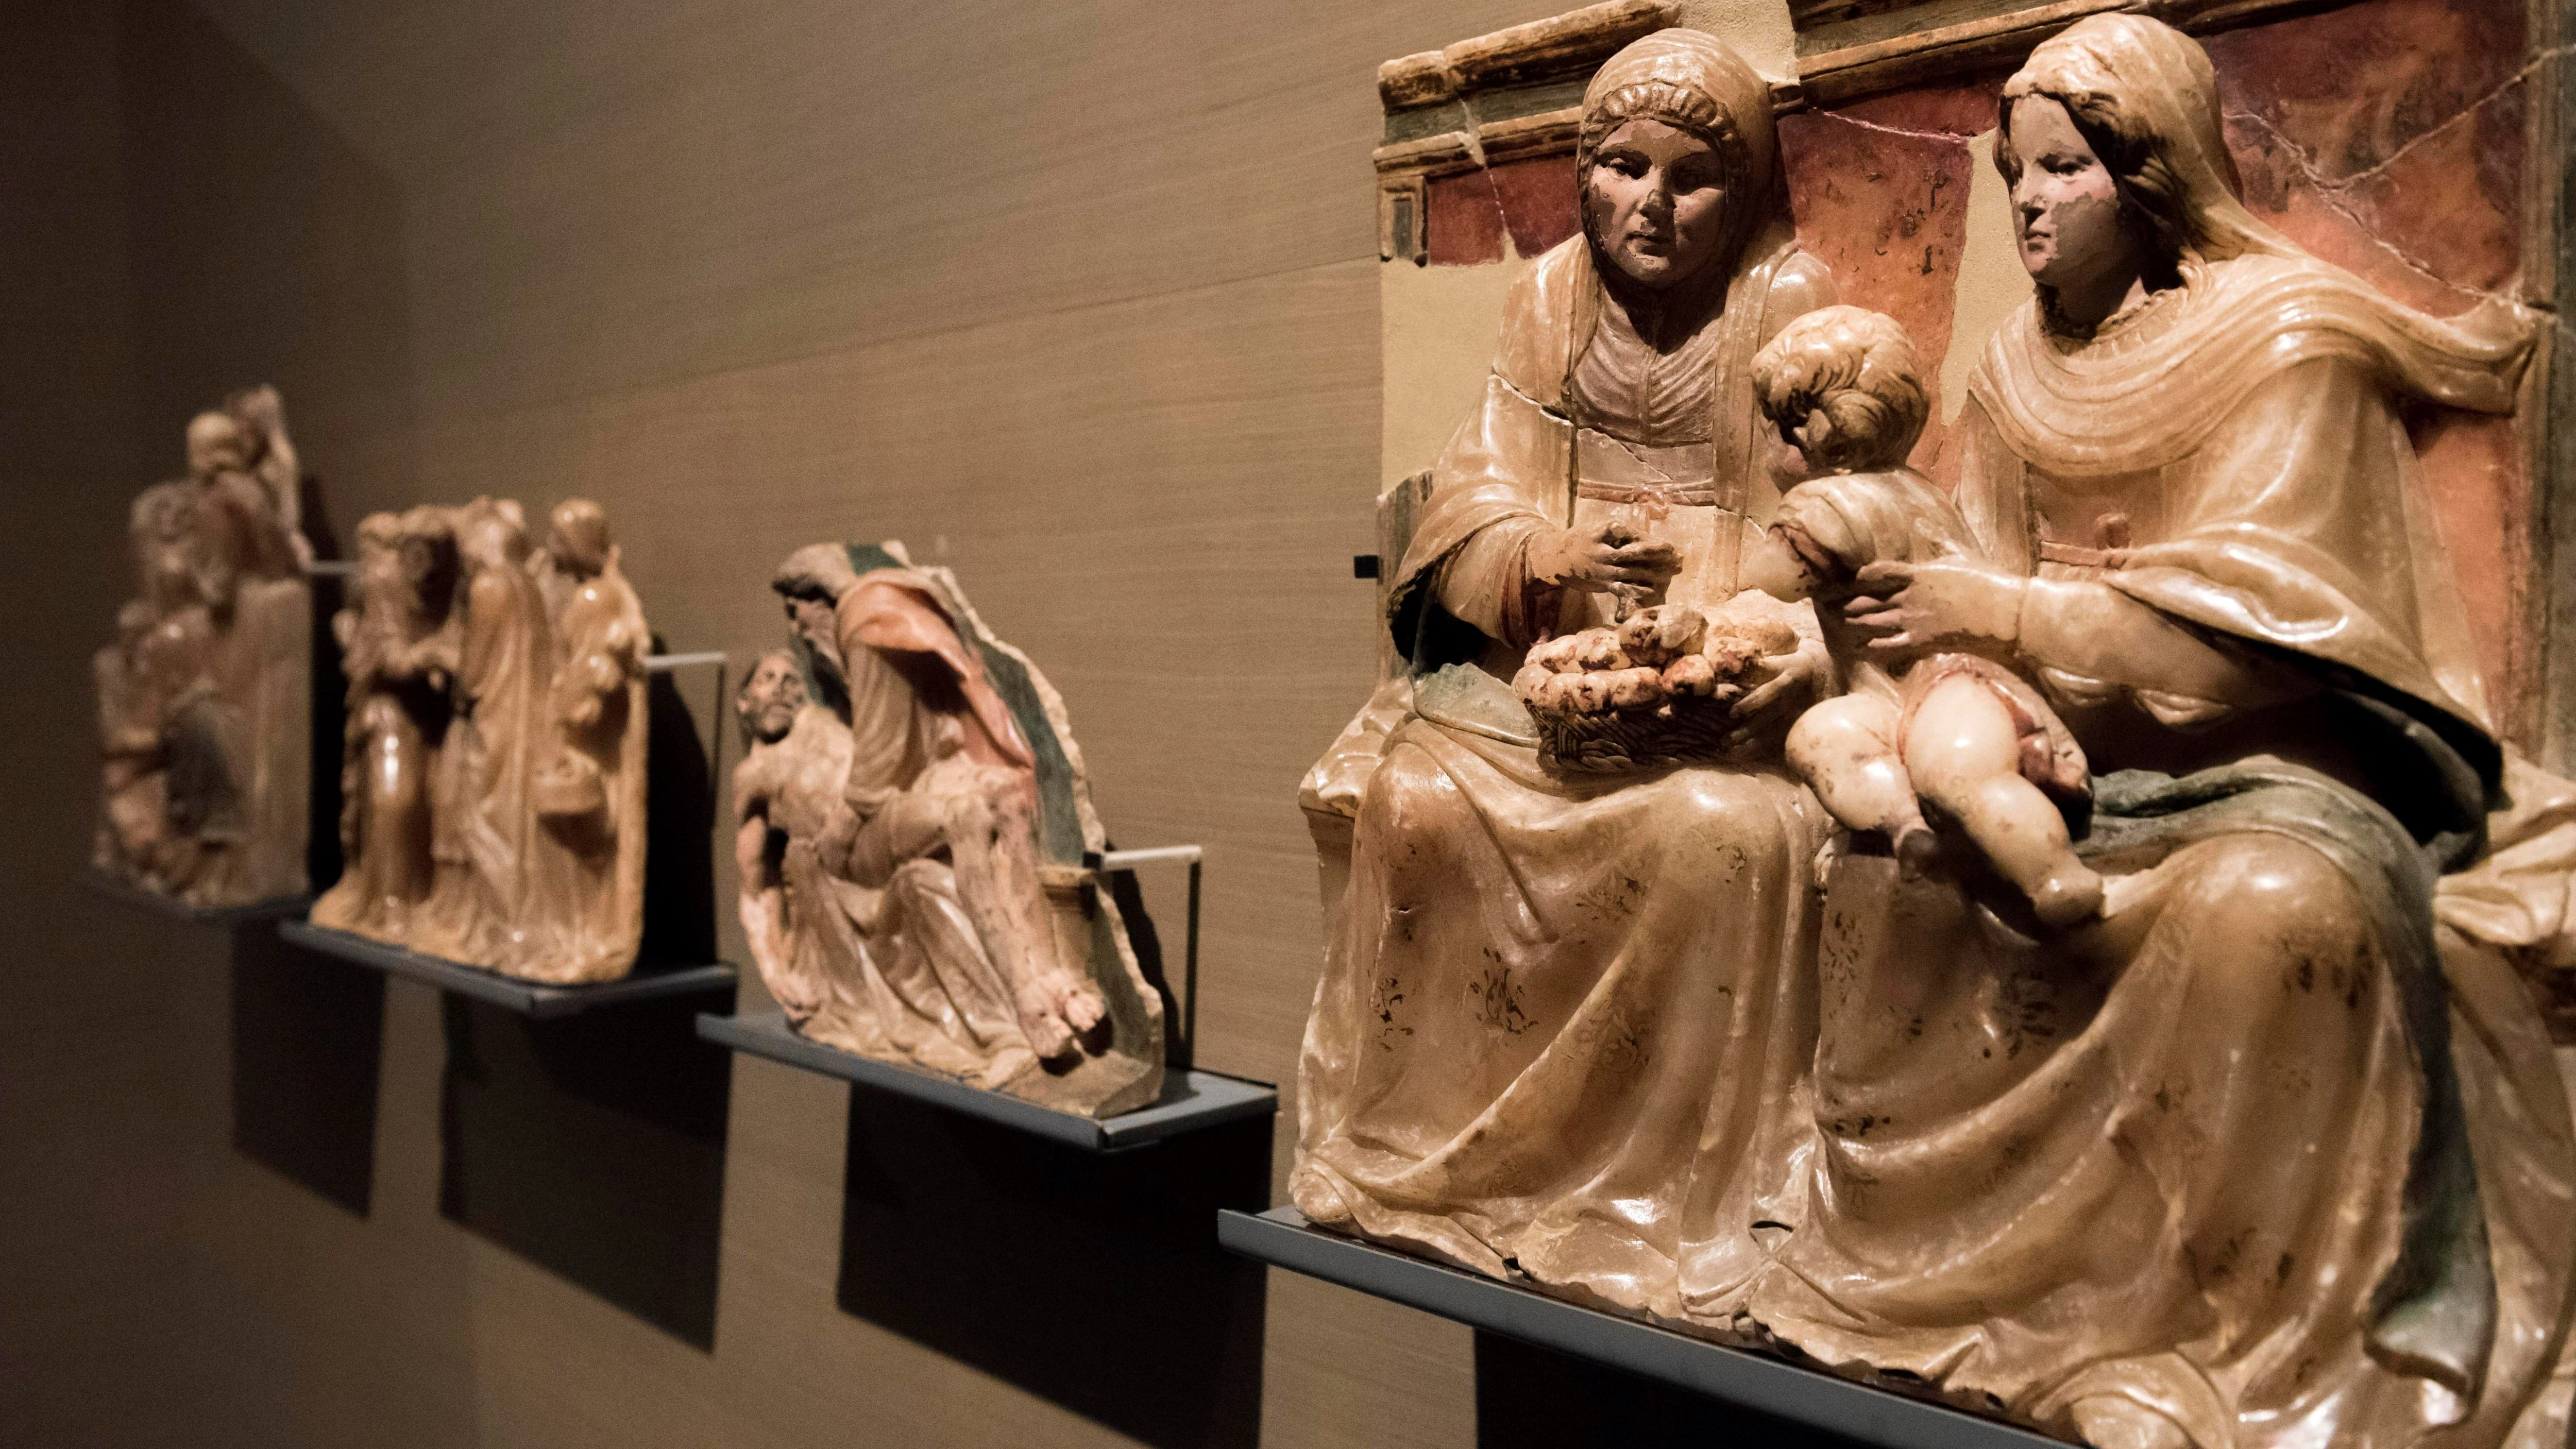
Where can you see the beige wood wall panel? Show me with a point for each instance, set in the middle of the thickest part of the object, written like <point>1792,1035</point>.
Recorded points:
<point>600,196</point>
<point>1080,299</point>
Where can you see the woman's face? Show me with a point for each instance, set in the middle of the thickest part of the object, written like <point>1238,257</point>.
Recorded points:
<point>1655,202</point>
<point>2065,207</point>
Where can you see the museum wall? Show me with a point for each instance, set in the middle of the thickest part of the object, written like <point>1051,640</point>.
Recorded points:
<point>1082,300</point>
<point>1079,300</point>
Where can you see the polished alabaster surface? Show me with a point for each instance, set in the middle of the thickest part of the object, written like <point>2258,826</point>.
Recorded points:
<point>494,781</point>
<point>2092,984</point>
<point>914,827</point>
<point>205,697</point>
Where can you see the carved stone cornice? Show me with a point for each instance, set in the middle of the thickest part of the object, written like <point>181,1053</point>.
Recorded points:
<point>1519,92</point>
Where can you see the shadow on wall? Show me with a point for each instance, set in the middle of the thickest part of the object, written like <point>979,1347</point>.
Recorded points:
<point>322,858</point>
<point>308,1035</point>
<point>593,1146</point>
<point>1180,1053</point>
<point>679,830</point>
<point>1537,1398</point>
<point>263,248</point>
<point>1091,1280</point>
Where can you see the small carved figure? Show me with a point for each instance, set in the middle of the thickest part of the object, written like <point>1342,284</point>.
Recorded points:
<point>481,821</point>
<point>204,696</point>
<point>1961,730</point>
<point>910,846</point>
<point>398,646</point>
<point>786,791</point>
<point>497,731</point>
<point>587,890</point>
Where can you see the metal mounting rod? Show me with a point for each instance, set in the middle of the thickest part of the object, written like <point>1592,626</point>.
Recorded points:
<point>1130,859</point>
<point>664,663</point>
<point>1195,857</point>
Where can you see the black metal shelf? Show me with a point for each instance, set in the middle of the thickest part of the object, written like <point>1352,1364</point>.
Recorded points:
<point>1191,1100</point>
<point>1282,1238</point>
<point>117,892</point>
<point>648,982</point>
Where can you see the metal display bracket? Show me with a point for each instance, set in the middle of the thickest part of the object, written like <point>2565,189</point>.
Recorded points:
<point>1191,1100</point>
<point>648,982</point>
<point>1128,860</point>
<point>1283,1238</point>
<point>148,903</point>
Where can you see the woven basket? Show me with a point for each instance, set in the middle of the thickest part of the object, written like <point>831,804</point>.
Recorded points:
<point>1675,732</point>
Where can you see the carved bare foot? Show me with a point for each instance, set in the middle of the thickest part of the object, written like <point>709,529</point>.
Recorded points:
<point>2108,1421</point>
<point>1081,1006</point>
<point>2070,894</point>
<point>1048,1035</point>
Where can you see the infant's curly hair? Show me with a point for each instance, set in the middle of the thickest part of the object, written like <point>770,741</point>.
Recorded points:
<point>1857,368</point>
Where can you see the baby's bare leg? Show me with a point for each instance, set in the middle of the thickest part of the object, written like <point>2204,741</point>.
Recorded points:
<point>1845,749</point>
<point>1965,756</point>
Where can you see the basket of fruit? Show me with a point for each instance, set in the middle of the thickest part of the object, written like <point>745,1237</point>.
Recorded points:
<point>1656,689</point>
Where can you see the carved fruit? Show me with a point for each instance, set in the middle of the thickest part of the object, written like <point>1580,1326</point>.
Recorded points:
<point>1767,636</point>
<point>1556,656</point>
<point>1659,635</point>
<point>1598,650</point>
<point>1731,656</point>
<point>1692,675</point>
<point>1554,694</point>
<point>1638,688</point>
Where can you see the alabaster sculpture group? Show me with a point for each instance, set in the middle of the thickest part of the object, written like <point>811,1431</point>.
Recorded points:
<point>912,852</point>
<point>2059,943</point>
<point>493,784</point>
<point>2050,946</point>
<point>205,697</point>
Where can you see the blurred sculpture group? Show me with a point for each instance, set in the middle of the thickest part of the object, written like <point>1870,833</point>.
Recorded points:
<point>494,779</point>
<point>205,697</point>
<point>914,823</point>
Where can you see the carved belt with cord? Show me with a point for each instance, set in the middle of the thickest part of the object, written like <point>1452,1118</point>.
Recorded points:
<point>1688,495</point>
<point>2082,557</point>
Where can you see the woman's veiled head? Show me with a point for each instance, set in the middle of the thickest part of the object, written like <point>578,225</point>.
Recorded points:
<point>2141,100</point>
<point>1675,158</point>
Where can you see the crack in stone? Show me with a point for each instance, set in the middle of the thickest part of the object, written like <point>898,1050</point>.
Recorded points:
<point>1953,137</point>
<point>2464,113</point>
<point>2332,193</point>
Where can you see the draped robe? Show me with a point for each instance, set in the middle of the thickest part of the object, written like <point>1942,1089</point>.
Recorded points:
<point>911,978</point>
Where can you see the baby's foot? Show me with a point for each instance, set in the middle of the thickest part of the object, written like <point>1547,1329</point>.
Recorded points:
<point>1916,848</point>
<point>2070,894</point>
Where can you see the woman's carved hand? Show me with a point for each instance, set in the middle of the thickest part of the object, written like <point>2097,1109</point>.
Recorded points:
<point>1918,606</point>
<point>1769,708</point>
<point>1599,559</point>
